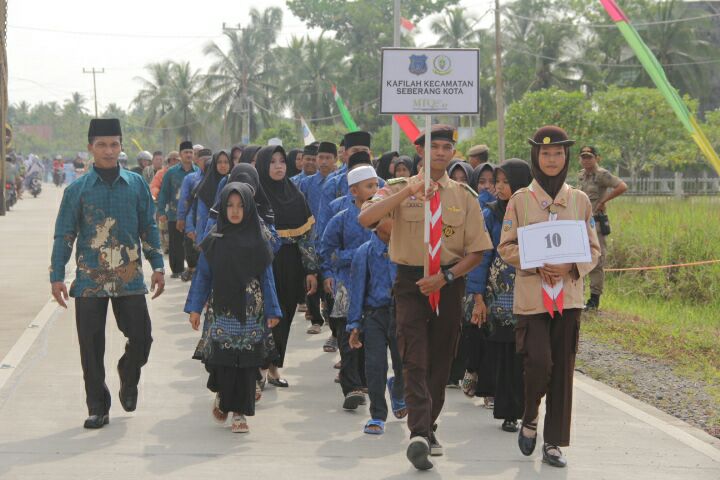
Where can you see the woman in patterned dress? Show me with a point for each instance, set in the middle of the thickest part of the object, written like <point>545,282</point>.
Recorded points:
<point>235,279</point>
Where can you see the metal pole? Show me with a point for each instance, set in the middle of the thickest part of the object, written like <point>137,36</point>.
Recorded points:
<point>395,143</point>
<point>499,95</point>
<point>3,99</point>
<point>426,173</point>
<point>246,122</point>
<point>94,71</point>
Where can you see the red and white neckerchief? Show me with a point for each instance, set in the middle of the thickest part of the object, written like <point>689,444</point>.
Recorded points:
<point>553,296</point>
<point>434,246</point>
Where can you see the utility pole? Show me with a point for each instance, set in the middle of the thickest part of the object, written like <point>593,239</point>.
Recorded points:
<point>395,142</point>
<point>246,99</point>
<point>499,95</point>
<point>93,71</point>
<point>3,99</point>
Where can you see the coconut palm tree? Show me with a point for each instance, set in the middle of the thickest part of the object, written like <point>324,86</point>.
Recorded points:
<point>75,105</point>
<point>153,99</point>
<point>309,69</point>
<point>455,29</point>
<point>245,75</point>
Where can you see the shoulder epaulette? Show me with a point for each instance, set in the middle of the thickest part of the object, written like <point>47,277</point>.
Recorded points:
<point>469,189</point>
<point>395,181</point>
<point>519,191</point>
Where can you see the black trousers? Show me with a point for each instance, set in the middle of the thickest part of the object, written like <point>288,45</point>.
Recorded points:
<point>352,361</point>
<point>177,250</point>
<point>320,304</point>
<point>133,320</point>
<point>191,253</point>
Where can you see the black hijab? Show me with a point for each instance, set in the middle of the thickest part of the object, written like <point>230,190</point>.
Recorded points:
<point>236,147</point>
<point>518,176</point>
<point>467,168</point>
<point>405,160</point>
<point>551,185</point>
<point>292,170</point>
<point>207,188</point>
<point>291,209</point>
<point>246,173</point>
<point>474,179</point>
<point>236,253</point>
<point>383,165</point>
<point>248,153</point>
<point>416,164</point>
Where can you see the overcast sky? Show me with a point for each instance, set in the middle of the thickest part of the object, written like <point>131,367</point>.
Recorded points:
<point>49,43</point>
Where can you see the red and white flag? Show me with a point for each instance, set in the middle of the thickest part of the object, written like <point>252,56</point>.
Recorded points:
<point>406,26</point>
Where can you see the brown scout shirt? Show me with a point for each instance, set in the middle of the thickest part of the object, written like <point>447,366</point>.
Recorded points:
<point>596,183</point>
<point>529,206</point>
<point>464,229</point>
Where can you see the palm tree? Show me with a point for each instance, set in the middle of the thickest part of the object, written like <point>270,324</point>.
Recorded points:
<point>172,99</point>
<point>309,69</point>
<point>245,74</point>
<point>455,29</point>
<point>75,105</point>
<point>153,99</point>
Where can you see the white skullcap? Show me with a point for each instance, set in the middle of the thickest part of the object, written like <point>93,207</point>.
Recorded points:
<point>275,142</point>
<point>357,175</point>
<point>198,147</point>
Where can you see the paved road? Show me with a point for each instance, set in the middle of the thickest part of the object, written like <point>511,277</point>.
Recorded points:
<point>299,432</point>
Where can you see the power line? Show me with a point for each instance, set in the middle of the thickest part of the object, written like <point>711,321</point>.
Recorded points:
<point>610,25</point>
<point>610,65</point>
<point>277,114</point>
<point>110,34</point>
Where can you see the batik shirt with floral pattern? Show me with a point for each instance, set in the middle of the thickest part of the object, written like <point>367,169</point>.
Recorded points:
<point>110,225</point>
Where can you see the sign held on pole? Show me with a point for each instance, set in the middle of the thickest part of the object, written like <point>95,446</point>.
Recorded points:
<point>430,81</point>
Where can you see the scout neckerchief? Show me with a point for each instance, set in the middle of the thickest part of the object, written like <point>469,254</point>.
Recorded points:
<point>434,246</point>
<point>552,296</point>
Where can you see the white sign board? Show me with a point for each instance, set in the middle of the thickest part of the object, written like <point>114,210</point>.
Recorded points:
<point>429,81</point>
<point>553,243</point>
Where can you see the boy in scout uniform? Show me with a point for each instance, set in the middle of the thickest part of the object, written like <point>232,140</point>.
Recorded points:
<point>427,341</point>
<point>595,182</point>
<point>548,329</point>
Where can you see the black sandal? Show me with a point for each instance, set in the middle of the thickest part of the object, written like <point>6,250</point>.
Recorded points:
<point>277,382</point>
<point>553,460</point>
<point>527,444</point>
<point>510,426</point>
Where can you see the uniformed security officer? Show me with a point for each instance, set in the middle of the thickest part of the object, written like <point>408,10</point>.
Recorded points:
<point>595,182</point>
<point>427,341</point>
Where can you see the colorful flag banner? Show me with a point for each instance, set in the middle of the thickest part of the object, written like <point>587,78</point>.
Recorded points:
<point>308,137</point>
<point>411,131</point>
<point>344,112</point>
<point>657,74</point>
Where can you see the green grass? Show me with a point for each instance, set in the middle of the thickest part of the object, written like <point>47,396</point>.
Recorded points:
<point>672,315</point>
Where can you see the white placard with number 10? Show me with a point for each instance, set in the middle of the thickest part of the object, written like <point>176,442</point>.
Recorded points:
<point>553,243</point>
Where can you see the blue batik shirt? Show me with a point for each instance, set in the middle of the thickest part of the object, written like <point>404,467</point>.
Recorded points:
<point>169,195</point>
<point>485,197</point>
<point>311,187</point>
<point>478,276</point>
<point>109,225</point>
<point>298,178</point>
<point>371,279</point>
<point>185,209</point>
<point>343,235</point>
<point>326,214</point>
<point>335,187</point>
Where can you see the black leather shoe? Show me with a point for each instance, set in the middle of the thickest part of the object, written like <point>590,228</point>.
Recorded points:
<point>527,444</point>
<point>510,426</point>
<point>96,421</point>
<point>128,395</point>
<point>593,303</point>
<point>554,459</point>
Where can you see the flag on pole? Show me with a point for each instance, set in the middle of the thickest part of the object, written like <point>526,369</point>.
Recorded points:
<point>657,74</point>
<point>347,118</point>
<point>406,26</point>
<point>411,131</point>
<point>308,137</point>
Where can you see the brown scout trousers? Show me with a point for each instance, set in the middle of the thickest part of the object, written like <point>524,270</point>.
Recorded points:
<point>549,346</point>
<point>427,344</point>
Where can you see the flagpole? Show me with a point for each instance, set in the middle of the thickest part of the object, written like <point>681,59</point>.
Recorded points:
<point>395,140</point>
<point>426,174</point>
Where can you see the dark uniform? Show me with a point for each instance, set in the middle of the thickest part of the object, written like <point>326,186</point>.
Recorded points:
<point>427,342</point>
